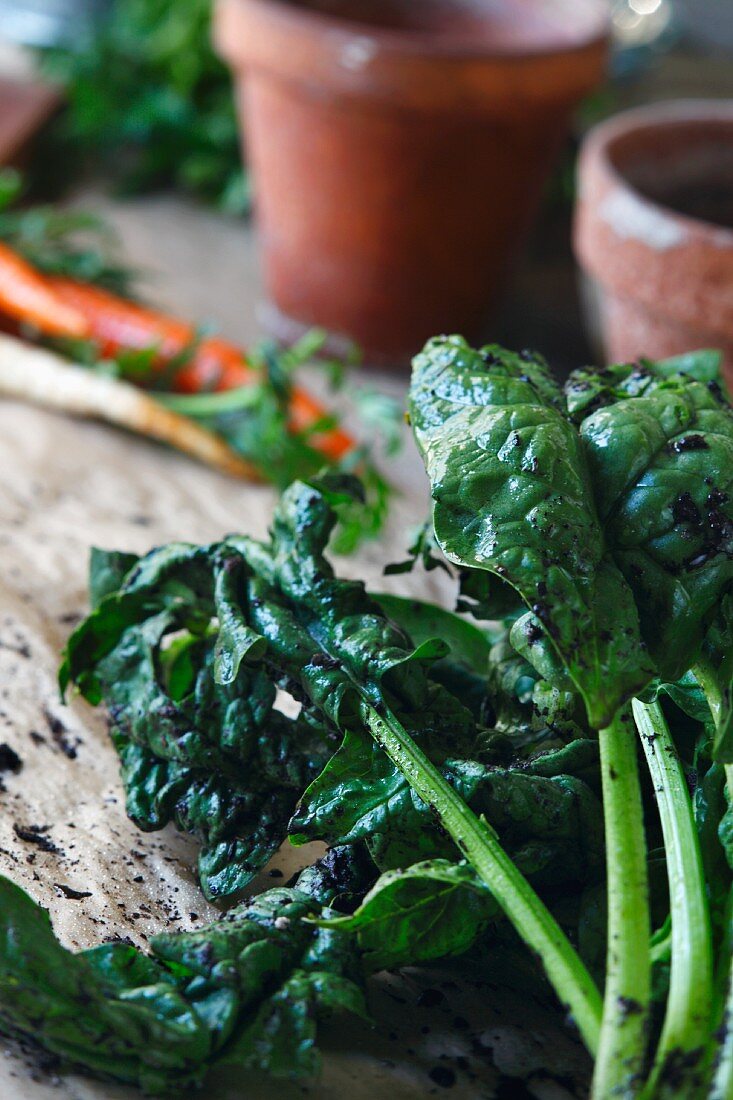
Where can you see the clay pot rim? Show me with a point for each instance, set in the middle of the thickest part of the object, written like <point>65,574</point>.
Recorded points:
<point>667,114</point>
<point>676,265</point>
<point>411,43</point>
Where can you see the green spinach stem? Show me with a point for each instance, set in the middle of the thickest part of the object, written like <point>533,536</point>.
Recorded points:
<point>622,1047</point>
<point>478,842</point>
<point>704,673</point>
<point>722,1048</point>
<point>211,404</point>
<point>722,1043</point>
<point>687,1021</point>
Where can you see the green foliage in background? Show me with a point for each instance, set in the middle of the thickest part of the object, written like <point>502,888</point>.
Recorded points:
<point>149,99</point>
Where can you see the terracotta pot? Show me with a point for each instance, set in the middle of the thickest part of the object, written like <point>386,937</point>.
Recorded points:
<point>399,149</point>
<point>654,230</point>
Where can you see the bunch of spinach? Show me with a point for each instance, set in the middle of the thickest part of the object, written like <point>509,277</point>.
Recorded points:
<point>188,646</point>
<point>454,768</point>
<point>607,508</point>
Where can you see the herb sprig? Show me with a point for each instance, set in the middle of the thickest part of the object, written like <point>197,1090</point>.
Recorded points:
<point>150,101</point>
<point>72,243</point>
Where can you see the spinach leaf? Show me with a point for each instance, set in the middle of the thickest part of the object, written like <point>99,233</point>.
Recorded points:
<point>659,441</point>
<point>513,495</point>
<point>431,910</point>
<point>285,974</point>
<point>662,470</point>
<point>171,577</point>
<point>464,671</point>
<point>422,621</point>
<point>242,990</point>
<point>340,878</point>
<point>107,571</point>
<point>589,388</point>
<point>546,818</point>
<point>327,635</point>
<point>193,722</point>
<point>218,760</point>
<point>686,693</point>
<point>529,639</point>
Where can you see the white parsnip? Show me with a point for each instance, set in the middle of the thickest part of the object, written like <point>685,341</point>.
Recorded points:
<point>45,378</point>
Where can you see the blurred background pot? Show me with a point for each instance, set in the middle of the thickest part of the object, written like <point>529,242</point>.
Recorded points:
<point>399,151</point>
<point>654,230</point>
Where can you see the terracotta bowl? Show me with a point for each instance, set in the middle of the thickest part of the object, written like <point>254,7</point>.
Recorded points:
<point>654,230</point>
<point>399,149</point>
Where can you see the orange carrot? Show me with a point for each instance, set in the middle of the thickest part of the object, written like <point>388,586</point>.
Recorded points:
<point>117,324</point>
<point>26,296</point>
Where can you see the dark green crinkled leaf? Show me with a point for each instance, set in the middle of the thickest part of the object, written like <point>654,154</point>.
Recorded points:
<point>664,495</point>
<point>323,632</point>
<point>340,878</point>
<point>423,621</point>
<point>163,579</point>
<point>236,640</point>
<point>558,712</point>
<point>431,910</point>
<point>512,681</point>
<point>663,492</point>
<point>464,671</point>
<point>686,693</point>
<point>219,761</point>
<point>513,495</point>
<point>588,388</point>
<point>547,819</point>
<point>239,824</point>
<point>59,1000</point>
<point>160,1021</point>
<point>107,571</point>
<point>285,974</point>
<point>531,641</point>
